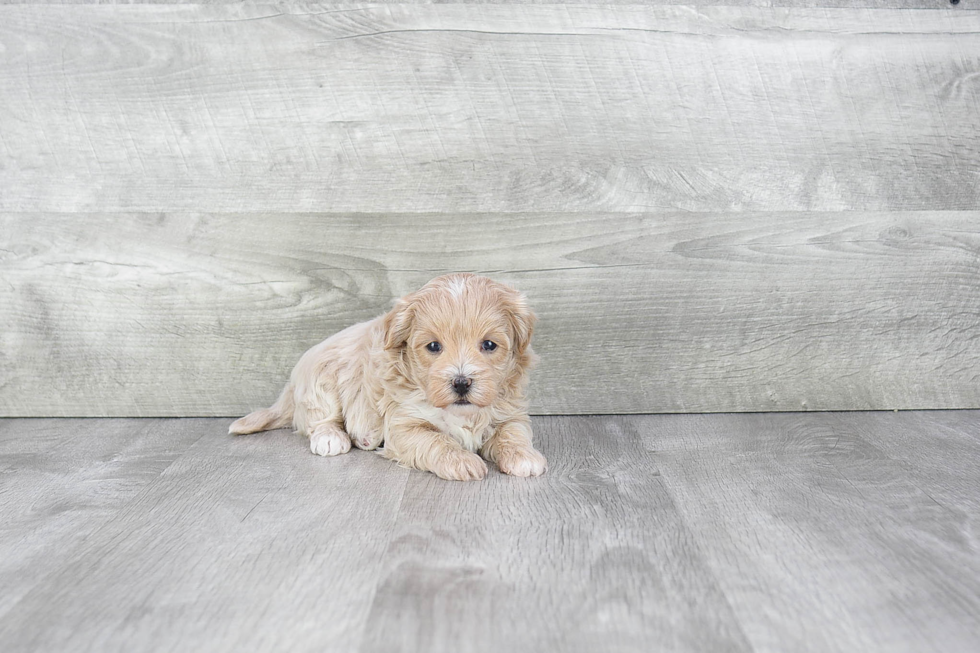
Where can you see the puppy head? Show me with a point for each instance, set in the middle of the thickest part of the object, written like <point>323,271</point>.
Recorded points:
<point>465,340</point>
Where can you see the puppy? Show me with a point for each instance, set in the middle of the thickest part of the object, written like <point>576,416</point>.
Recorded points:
<point>439,379</point>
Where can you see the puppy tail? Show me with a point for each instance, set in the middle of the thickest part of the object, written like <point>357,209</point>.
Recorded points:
<point>278,415</point>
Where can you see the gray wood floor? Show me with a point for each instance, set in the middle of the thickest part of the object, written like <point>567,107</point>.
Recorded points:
<point>764,532</point>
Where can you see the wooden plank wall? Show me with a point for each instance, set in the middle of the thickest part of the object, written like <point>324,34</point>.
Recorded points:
<point>712,207</point>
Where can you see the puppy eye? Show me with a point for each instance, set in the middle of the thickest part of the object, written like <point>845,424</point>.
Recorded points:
<point>434,347</point>
<point>488,345</point>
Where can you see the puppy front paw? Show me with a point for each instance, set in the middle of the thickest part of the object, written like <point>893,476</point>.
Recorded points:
<point>329,442</point>
<point>522,462</point>
<point>460,466</point>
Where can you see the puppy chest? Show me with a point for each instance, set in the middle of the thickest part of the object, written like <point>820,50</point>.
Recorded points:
<point>469,433</point>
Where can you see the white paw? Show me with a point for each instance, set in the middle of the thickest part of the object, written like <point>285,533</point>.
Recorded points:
<point>522,462</point>
<point>331,442</point>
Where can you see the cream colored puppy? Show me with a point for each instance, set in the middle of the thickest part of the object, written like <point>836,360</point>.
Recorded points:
<point>437,380</point>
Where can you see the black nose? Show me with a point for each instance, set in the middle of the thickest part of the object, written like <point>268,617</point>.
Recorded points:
<point>461,385</point>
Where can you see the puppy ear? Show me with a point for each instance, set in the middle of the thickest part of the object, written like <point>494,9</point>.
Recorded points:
<point>398,323</point>
<point>522,320</point>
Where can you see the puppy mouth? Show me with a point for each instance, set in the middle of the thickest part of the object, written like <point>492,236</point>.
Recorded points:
<point>462,402</point>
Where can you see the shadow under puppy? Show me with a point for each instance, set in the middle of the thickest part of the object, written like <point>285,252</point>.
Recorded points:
<point>438,379</point>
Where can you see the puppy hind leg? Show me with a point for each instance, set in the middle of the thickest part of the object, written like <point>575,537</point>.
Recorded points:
<point>363,426</point>
<point>329,439</point>
<point>369,442</point>
<point>318,416</point>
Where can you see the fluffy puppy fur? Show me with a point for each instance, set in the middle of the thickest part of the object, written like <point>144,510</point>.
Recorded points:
<point>439,379</point>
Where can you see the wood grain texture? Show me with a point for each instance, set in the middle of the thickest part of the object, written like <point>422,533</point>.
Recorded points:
<point>590,557</point>
<point>132,314</point>
<point>60,481</point>
<point>966,5</point>
<point>707,204</point>
<point>241,544</point>
<point>940,452</point>
<point>483,107</point>
<point>766,532</point>
<point>811,529</point>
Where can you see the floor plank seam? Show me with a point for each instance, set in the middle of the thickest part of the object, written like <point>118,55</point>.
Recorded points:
<point>384,556</point>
